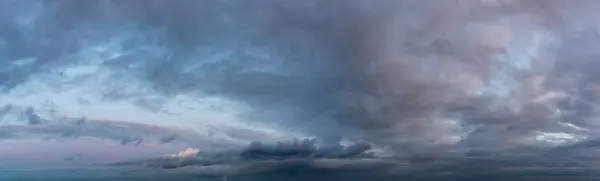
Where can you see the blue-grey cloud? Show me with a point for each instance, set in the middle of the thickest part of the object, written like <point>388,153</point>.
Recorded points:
<point>427,80</point>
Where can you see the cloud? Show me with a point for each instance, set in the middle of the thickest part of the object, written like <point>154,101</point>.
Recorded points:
<point>304,153</point>
<point>120,132</point>
<point>428,81</point>
<point>189,152</point>
<point>168,139</point>
<point>302,149</point>
<point>306,162</point>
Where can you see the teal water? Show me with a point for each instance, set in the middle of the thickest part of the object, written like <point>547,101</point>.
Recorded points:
<point>291,174</point>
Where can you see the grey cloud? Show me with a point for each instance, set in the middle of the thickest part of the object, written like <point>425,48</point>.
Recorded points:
<point>280,153</point>
<point>123,133</point>
<point>167,139</point>
<point>420,78</point>
<point>523,164</point>
<point>303,149</point>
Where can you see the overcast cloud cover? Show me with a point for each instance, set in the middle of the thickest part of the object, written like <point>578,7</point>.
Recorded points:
<point>370,89</point>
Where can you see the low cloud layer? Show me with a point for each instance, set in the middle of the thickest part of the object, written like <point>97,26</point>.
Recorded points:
<point>305,160</point>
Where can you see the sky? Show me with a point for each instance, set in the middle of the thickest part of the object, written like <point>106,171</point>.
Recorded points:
<point>435,88</point>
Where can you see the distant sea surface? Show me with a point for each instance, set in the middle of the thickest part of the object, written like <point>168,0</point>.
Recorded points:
<point>284,174</point>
